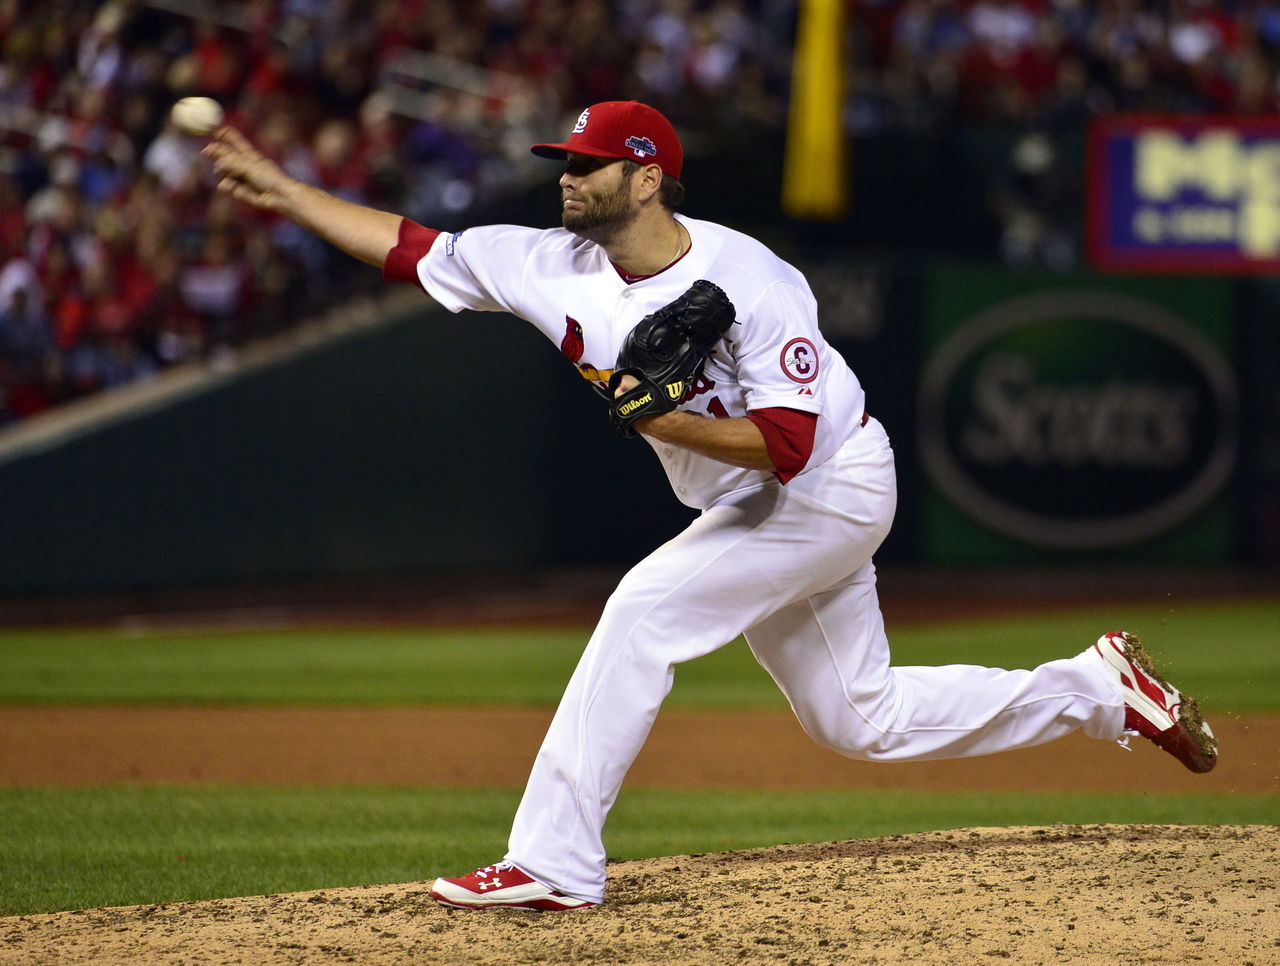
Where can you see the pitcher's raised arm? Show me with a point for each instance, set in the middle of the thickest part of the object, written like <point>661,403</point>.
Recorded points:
<point>248,175</point>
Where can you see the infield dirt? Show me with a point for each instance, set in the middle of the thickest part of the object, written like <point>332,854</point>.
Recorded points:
<point>495,747</point>
<point>1063,894</point>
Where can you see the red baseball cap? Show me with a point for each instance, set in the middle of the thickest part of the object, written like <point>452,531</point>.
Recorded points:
<point>622,129</point>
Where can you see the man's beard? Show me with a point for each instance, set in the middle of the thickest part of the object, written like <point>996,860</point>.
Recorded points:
<point>601,216</point>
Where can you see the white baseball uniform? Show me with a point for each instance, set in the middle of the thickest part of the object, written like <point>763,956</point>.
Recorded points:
<point>787,564</point>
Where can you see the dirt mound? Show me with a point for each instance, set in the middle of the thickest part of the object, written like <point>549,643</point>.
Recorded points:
<point>1063,894</point>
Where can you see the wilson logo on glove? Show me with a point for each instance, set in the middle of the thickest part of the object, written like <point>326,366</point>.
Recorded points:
<point>627,408</point>
<point>668,349</point>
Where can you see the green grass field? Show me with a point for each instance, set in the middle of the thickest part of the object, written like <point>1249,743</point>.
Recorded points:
<point>82,848</point>
<point>1230,651</point>
<point>66,848</point>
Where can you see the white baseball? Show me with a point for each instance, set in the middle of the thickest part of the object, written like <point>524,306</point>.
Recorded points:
<point>197,115</point>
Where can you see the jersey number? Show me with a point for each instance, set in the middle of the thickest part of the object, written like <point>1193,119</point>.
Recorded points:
<point>716,408</point>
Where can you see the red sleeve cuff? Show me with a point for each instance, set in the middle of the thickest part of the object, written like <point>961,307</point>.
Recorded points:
<point>401,263</point>
<point>788,436</point>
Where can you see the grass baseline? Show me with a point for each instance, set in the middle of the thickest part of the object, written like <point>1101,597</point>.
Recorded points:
<point>127,845</point>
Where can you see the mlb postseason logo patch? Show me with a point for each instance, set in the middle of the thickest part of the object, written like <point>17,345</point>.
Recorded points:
<point>582,121</point>
<point>641,146</point>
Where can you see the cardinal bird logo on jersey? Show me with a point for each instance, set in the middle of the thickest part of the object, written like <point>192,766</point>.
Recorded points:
<point>571,345</point>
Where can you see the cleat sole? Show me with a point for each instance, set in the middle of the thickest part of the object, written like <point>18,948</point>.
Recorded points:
<point>1191,741</point>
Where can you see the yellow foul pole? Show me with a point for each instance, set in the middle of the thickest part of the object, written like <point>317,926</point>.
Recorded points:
<point>814,166</point>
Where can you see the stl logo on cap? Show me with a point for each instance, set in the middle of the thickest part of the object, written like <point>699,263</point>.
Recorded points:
<point>641,146</point>
<point>621,129</point>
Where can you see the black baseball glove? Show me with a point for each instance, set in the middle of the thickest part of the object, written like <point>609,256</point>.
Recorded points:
<point>666,352</point>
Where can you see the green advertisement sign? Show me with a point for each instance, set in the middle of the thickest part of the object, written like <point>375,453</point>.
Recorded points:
<point>1068,416</point>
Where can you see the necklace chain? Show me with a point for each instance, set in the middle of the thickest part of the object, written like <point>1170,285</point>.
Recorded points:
<point>674,258</point>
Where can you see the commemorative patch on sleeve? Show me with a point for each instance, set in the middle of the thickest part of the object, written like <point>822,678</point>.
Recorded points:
<point>799,361</point>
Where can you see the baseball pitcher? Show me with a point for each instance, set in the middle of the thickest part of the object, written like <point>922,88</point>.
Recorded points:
<point>706,344</point>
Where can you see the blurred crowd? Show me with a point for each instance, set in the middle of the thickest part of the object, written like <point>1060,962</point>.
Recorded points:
<point>1022,78</point>
<point>1054,62</point>
<point>117,258</point>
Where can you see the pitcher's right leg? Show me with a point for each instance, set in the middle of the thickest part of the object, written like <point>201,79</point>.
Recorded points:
<point>830,656</point>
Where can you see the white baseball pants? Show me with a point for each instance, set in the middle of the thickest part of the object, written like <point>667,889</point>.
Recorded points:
<point>791,567</point>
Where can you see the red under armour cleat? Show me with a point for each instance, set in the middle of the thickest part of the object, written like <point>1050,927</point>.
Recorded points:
<point>1153,708</point>
<point>502,885</point>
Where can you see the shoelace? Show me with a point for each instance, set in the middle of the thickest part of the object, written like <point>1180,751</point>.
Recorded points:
<point>503,866</point>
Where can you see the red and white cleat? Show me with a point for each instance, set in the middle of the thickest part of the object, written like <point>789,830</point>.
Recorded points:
<point>502,885</point>
<point>1153,708</point>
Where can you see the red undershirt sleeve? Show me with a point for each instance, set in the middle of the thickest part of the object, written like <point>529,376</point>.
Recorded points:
<point>788,436</point>
<point>401,263</point>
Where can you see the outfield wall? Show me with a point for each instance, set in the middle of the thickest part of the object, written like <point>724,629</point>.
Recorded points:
<point>431,442</point>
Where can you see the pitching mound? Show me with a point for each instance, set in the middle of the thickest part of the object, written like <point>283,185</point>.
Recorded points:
<point>1065,894</point>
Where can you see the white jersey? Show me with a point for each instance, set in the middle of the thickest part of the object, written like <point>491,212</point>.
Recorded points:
<point>790,568</point>
<point>773,356</point>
